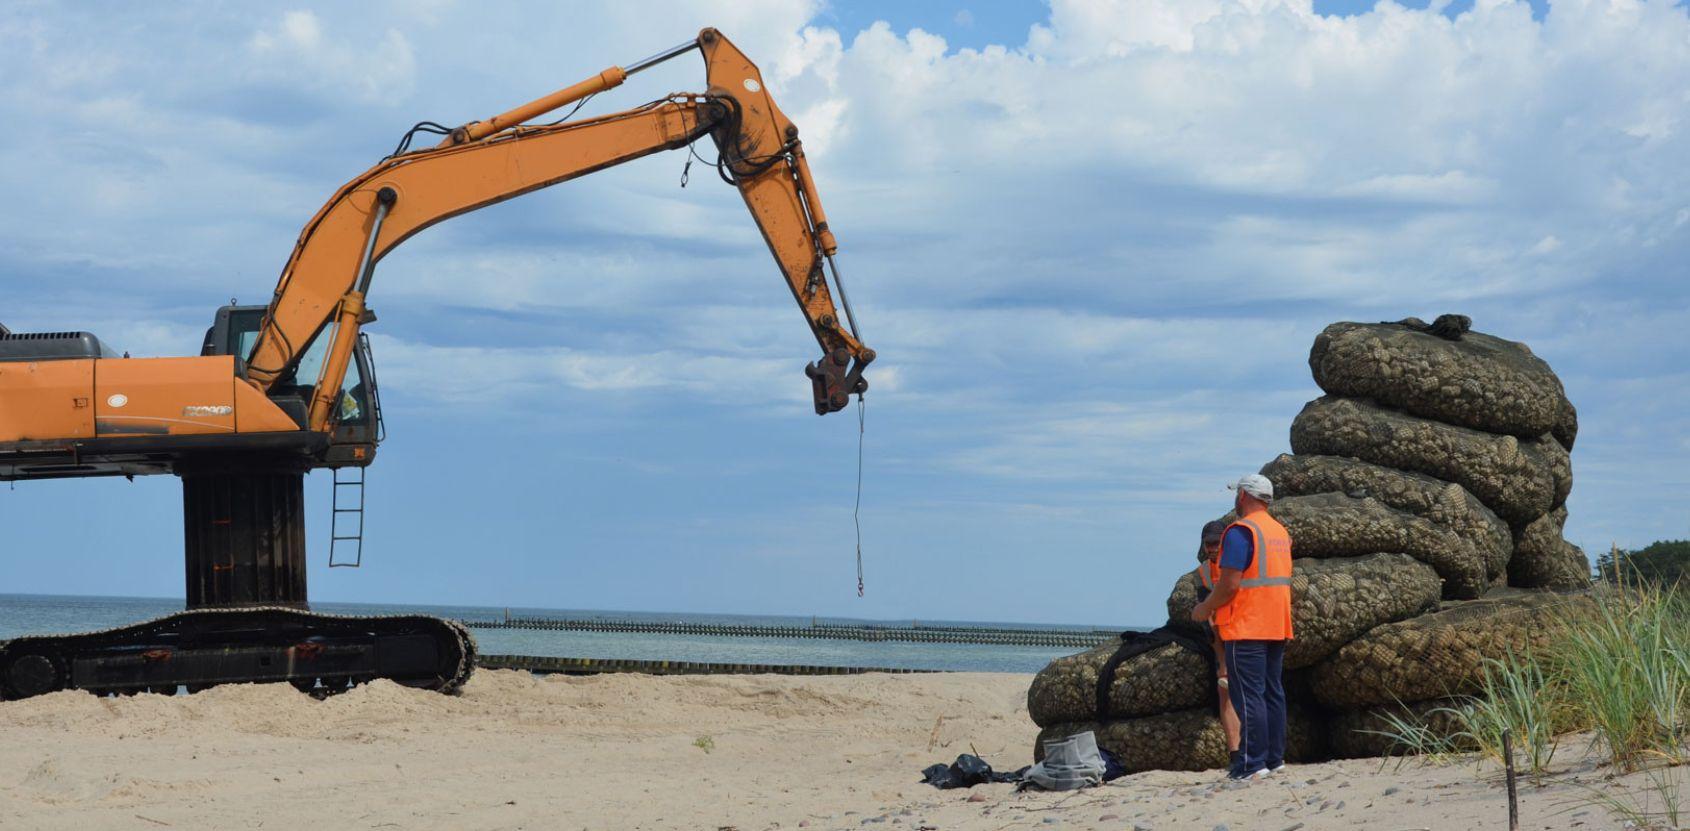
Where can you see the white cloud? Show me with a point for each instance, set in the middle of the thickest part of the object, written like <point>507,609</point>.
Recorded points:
<point>298,29</point>
<point>1451,187</point>
<point>294,48</point>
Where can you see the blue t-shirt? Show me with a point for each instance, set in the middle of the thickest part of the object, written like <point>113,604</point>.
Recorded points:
<point>1238,548</point>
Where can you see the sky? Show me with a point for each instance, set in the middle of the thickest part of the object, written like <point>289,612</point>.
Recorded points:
<point>1091,241</point>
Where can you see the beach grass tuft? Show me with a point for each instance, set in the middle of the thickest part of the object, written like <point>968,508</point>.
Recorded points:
<point>1618,667</point>
<point>1517,698</point>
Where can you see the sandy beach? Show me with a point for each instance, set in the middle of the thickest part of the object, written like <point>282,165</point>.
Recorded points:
<point>637,752</point>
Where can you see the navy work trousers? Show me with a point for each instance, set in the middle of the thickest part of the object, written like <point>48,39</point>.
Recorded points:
<point>1258,696</point>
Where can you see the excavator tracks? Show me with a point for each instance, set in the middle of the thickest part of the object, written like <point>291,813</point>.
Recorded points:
<point>316,653</point>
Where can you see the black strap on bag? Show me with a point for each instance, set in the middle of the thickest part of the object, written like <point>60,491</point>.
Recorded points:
<point>1134,644</point>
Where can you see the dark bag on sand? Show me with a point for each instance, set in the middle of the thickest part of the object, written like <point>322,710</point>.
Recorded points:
<point>967,771</point>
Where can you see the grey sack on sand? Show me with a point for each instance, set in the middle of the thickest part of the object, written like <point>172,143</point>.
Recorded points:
<point>1069,763</point>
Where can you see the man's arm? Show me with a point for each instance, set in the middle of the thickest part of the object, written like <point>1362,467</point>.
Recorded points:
<point>1238,549</point>
<point>1224,591</point>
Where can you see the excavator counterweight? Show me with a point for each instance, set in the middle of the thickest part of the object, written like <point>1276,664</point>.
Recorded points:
<point>280,389</point>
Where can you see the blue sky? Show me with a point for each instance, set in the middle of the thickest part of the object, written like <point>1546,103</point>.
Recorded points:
<point>1091,240</point>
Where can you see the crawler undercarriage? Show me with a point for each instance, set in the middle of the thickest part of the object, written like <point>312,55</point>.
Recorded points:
<point>247,620</point>
<point>317,653</point>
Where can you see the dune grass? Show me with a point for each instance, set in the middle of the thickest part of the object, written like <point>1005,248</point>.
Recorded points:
<point>1625,670</point>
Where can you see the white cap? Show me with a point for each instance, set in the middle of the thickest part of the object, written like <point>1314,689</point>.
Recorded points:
<point>1255,485</point>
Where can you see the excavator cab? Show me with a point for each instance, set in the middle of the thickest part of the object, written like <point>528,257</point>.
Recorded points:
<point>358,426</point>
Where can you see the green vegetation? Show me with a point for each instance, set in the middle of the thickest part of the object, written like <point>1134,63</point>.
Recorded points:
<point>1625,670</point>
<point>1662,563</point>
<point>1620,669</point>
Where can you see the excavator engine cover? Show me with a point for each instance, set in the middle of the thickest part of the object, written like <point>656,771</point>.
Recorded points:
<point>51,346</point>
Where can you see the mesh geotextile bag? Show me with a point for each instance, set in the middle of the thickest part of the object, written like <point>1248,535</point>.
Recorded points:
<point>1543,559</point>
<point>1334,601</point>
<point>1184,598</point>
<point>1547,453</point>
<point>1476,380</point>
<point>1567,428</point>
<point>1338,525</point>
<point>1353,734</point>
<point>1444,503</point>
<point>1440,654</point>
<point>1168,677</point>
<point>1491,467</point>
<point>1183,740</point>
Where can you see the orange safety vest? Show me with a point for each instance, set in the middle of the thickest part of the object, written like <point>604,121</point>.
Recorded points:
<point>1209,572</point>
<point>1261,610</point>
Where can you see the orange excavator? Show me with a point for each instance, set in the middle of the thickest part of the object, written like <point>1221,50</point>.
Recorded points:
<point>282,389</point>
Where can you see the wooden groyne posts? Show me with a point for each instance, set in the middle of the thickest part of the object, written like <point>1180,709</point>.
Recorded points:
<point>1067,638</point>
<point>594,666</point>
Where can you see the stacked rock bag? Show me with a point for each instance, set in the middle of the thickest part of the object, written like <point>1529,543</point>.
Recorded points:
<point>1425,499</point>
<point>1461,407</point>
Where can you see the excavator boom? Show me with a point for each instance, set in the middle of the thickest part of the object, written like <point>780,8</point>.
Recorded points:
<point>323,286</point>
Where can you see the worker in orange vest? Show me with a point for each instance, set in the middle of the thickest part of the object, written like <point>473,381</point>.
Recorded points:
<point>1251,607</point>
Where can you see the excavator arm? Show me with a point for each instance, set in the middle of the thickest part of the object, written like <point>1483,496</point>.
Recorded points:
<point>323,287</point>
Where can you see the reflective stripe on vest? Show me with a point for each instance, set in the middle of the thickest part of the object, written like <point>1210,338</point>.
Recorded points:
<point>1261,610</point>
<point>1259,581</point>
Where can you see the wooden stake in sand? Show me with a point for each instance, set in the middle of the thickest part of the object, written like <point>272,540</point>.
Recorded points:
<point>1513,794</point>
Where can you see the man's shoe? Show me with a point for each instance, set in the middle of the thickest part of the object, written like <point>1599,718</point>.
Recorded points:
<point>1276,769</point>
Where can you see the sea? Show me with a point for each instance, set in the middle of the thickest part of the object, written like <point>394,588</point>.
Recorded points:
<point>29,614</point>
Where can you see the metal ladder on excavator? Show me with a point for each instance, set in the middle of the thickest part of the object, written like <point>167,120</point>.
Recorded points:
<point>351,517</point>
